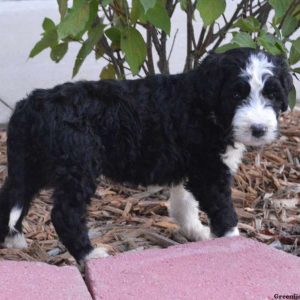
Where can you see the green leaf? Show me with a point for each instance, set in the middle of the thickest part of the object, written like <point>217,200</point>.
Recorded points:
<point>114,35</point>
<point>134,47</point>
<point>44,43</point>
<point>269,43</point>
<point>243,39</point>
<point>75,21</point>
<point>106,2</point>
<point>296,12</point>
<point>62,7</point>
<point>49,38</point>
<point>290,24</point>
<point>136,10</point>
<point>58,52</point>
<point>276,20</point>
<point>280,45</point>
<point>292,98</point>
<point>276,29</point>
<point>108,72</point>
<point>147,4</point>
<point>93,14</point>
<point>296,70</point>
<point>210,10</point>
<point>227,47</point>
<point>94,36</point>
<point>183,4</point>
<point>159,17</point>
<point>48,25</point>
<point>249,24</point>
<point>295,52</point>
<point>99,50</point>
<point>280,6</point>
<point>272,43</point>
<point>92,20</point>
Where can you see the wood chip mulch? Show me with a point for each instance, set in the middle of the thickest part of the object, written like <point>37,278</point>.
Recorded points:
<point>266,196</point>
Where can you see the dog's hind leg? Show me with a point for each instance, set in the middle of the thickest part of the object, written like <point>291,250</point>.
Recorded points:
<point>22,183</point>
<point>71,197</point>
<point>183,208</point>
<point>15,197</point>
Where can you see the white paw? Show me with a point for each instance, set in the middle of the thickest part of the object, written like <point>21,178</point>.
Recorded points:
<point>197,232</point>
<point>234,231</point>
<point>97,253</point>
<point>16,241</point>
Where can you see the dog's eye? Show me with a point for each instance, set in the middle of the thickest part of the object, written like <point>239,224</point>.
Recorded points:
<point>236,95</point>
<point>272,96</point>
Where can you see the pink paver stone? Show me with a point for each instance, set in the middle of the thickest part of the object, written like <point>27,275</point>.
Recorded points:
<point>39,281</point>
<point>225,268</point>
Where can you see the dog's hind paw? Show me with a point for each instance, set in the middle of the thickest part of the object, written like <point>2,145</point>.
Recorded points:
<point>197,232</point>
<point>15,241</point>
<point>99,252</point>
<point>234,231</point>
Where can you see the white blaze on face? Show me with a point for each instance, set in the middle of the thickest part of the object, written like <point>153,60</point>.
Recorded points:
<point>256,111</point>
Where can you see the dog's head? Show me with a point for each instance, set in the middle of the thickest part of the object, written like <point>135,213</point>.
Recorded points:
<point>248,90</point>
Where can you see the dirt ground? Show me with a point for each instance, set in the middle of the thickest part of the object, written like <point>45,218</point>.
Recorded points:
<point>125,218</point>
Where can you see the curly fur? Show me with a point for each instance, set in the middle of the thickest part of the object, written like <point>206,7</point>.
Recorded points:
<point>161,130</point>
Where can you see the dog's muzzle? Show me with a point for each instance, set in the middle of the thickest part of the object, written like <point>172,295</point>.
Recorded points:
<point>255,125</point>
<point>258,130</point>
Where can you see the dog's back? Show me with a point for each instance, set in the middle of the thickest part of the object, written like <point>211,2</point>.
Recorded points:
<point>128,123</point>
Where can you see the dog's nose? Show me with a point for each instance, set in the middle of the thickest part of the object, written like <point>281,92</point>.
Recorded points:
<point>258,130</point>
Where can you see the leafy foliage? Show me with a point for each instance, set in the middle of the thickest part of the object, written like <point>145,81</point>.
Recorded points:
<point>49,38</point>
<point>75,21</point>
<point>108,72</point>
<point>158,16</point>
<point>58,52</point>
<point>133,45</point>
<point>94,34</point>
<point>127,33</point>
<point>210,10</point>
<point>148,4</point>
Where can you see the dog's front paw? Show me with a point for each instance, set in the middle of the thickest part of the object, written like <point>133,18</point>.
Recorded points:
<point>15,241</point>
<point>197,232</point>
<point>99,252</point>
<point>234,231</point>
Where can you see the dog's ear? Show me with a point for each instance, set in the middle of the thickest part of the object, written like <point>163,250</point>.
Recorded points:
<point>286,79</point>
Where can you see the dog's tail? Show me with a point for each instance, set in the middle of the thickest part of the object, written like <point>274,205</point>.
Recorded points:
<point>17,133</point>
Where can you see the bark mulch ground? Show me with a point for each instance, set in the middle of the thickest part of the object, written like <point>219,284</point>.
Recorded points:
<point>124,218</point>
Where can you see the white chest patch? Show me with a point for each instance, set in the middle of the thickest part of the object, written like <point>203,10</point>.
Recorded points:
<point>233,156</point>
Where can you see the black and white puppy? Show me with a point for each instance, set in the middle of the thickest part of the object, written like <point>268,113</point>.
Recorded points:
<point>185,131</point>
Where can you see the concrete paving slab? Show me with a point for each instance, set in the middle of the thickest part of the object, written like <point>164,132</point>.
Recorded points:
<point>39,281</point>
<point>226,268</point>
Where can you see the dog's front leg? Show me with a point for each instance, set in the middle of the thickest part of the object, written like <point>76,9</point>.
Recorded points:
<point>211,187</point>
<point>183,208</point>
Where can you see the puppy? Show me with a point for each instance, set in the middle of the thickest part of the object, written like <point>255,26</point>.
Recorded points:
<point>185,131</point>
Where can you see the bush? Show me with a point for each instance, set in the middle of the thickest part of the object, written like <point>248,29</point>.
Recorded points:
<point>126,33</point>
